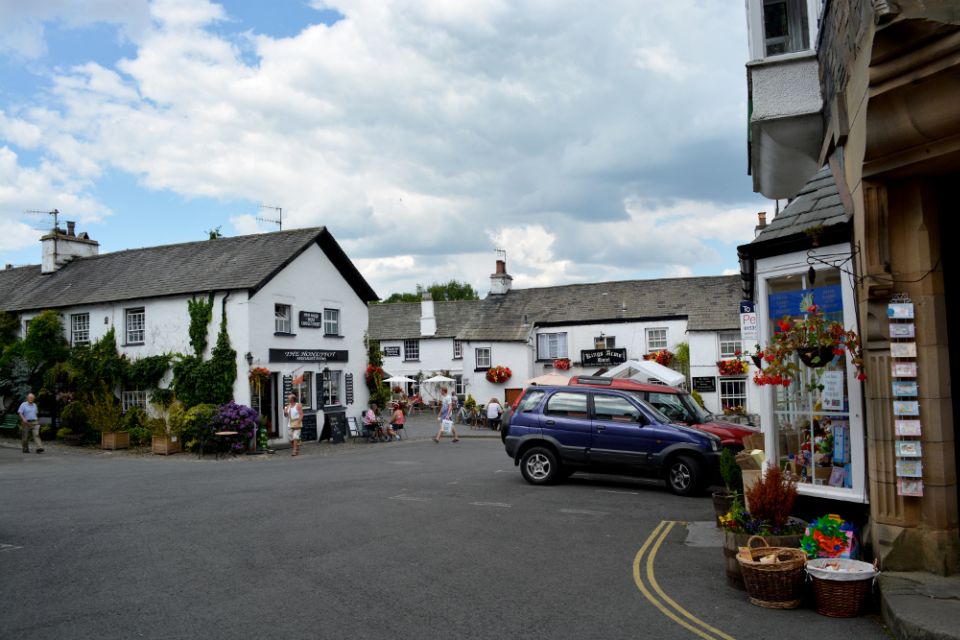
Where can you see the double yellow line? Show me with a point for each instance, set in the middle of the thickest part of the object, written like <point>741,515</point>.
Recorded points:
<point>646,579</point>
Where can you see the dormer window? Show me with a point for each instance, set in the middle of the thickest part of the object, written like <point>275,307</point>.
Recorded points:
<point>785,26</point>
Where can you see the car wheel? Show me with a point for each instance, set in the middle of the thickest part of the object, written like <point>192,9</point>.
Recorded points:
<point>684,476</point>
<point>539,466</point>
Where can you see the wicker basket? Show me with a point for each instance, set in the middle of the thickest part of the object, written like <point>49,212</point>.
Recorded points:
<point>778,585</point>
<point>841,594</point>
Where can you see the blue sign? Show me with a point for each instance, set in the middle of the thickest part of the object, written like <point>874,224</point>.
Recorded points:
<point>829,299</point>
<point>747,306</point>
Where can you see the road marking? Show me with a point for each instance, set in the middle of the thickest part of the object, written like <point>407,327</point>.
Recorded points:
<point>410,498</point>
<point>403,462</point>
<point>629,493</point>
<point>491,504</point>
<point>9,547</point>
<point>499,471</point>
<point>584,512</point>
<point>678,614</point>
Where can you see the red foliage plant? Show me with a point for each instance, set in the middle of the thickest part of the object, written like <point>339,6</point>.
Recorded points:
<point>772,497</point>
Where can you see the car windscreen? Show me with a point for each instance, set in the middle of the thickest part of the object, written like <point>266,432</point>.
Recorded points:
<point>700,414</point>
<point>658,415</point>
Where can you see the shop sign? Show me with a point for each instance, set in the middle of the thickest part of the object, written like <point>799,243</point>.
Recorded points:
<point>391,352</point>
<point>749,326</point>
<point>828,299</point>
<point>311,319</point>
<point>307,355</point>
<point>705,384</point>
<point>602,357</point>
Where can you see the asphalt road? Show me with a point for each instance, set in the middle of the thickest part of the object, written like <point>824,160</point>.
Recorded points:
<point>393,540</point>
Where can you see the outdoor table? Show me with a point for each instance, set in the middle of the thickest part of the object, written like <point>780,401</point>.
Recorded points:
<point>222,438</point>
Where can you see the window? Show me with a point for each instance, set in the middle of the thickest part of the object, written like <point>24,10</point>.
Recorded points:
<point>483,358</point>
<point>551,346</point>
<point>730,344</point>
<point>457,350</point>
<point>303,387</point>
<point>282,318</point>
<point>133,398</point>
<point>135,325</point>
<point>331,388</point>
<point>458,387</point>
<point>785,28</point>
<point>733,393</point>
<point>331,322</point>
<point>79,328</point>
<point>656,339</point>
<point>530,401</point>
<point>567,404</point>
<point>411,349</point>
<point>670,405</point>
<point>615,409</point>
<point>604,342</point>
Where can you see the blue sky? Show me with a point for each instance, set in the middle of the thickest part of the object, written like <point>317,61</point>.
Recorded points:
<point>424,134</point>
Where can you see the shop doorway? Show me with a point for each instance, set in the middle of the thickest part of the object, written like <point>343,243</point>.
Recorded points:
<point>510,395</point>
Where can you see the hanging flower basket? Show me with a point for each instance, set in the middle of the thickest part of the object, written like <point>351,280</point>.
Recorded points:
<point>258,377</point>
<point>662,356</point>
<point>818,356</point>
<point>499,374</point>
<point>561,364</point>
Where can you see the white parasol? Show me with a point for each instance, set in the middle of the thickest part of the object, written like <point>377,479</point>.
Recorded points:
<point>554,379</point>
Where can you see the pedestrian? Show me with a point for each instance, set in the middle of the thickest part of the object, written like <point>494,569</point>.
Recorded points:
<point>371,424</point>
<point>397,420</point>
<point>294,412</point>
<point>29,423</point>
<point>494,411</point>
<point>445,415</point>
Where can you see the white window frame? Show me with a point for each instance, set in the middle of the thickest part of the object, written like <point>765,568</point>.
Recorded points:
<point>486,353</point>
<point>133,398</point>
<point>282,318</point>
<point>457,349</point>
<point>411,350</point>
<point>733,392</point>
<point>331,322</point>
<point>331,388</point>
<point>551,346</point>
<point>605,342</point>
<point>79,329</point>
<point>458,387</point>
<point>135,328</point>
<point>729,342</point>
<point>305,392</point>
<point>654,342</point>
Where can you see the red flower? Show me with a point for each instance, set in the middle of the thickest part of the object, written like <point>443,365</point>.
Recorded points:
<point>812,308</point>
<point>784,325</point>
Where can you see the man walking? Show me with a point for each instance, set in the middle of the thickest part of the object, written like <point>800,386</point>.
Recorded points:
<point>28,424</point>
<point>447,407</point>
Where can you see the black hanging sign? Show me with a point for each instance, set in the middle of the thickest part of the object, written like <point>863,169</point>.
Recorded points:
<point>391,352</point>
<point>706,384</point>
<point>602,357</point>
<point>349,384</point>
<point>287,387</point>
<point>307,355</point>
<point>311,319</point>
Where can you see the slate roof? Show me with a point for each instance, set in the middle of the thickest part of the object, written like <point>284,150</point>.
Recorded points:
<point>817,203</point>
<point>708,303</point>
<point>237,263</point>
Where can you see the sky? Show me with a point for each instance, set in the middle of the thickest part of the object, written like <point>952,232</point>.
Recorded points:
<point>590,141</point>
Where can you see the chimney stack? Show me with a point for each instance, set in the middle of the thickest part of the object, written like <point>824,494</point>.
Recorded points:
<point>761,223</point>
<point>59,248</point>
<point>71,228</point>
<point>500,280</point>
<point>428,321</point>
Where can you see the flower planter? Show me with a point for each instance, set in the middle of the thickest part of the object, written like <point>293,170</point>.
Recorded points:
<point>165,445</point>
<point>115,440</point>
<point>816,357</point>
<point>722,501</point>
<point>731,546</point>
<point>757,361</point>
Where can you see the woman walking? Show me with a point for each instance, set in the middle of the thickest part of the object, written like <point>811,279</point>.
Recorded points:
<point>445,415</point>
<point>396,422</point>
<point>294,412</point>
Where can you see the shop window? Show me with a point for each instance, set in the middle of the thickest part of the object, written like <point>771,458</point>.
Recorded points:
<point>303,387</point>
<point>331,388</point>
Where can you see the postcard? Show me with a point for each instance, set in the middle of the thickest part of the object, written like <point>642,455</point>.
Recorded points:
<point>904,388</point>
<point>909,448</point>
<point>906,487</point>
<point>900,311</point>
<point>903,349</point>
<point>907,427</point>
<point>901,330</point>
<point>904,370</point>
<point>909,469</point>
<point>906,408</point>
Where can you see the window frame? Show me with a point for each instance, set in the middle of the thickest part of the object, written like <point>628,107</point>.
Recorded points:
<point>797,37</point>
<point>335,322</point>
<point>127,329</point>
<point>724,337</point>
<point>600,398</point>
<point>566,412</point>
<point>489,357</point>
<point>306,398</point>
<point>551,342</point>
<point>724,396</point>
<point>74,317</point>
<point>332,386</point>
<point>649,341</point>
<point>130,398</point>
<point>415,344</point>
<point>458,350</point>
<point>605,342</point>
<point>278,328</point>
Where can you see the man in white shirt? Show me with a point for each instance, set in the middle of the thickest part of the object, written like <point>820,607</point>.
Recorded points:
<point>29,424</point>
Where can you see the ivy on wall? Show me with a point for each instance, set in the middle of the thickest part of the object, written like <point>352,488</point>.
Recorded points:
<point>198,381</point>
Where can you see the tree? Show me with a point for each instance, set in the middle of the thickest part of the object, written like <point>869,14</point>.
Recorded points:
<point>451,290</point>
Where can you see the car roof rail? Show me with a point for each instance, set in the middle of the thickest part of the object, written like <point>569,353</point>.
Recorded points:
<point>595,380</point>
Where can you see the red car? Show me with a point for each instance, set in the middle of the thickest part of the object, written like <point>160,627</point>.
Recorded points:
<point>676,404</point>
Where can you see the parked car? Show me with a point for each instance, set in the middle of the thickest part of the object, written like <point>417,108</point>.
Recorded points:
<point>676,404</point>
<point>557,431</point>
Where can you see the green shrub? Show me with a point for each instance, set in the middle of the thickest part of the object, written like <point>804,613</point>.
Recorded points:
<point>194,424</point>
<point>731,472</point>
<point>699,398</point>
<point>104,413</point>
<point>74,418</point>
<point>63,432</point>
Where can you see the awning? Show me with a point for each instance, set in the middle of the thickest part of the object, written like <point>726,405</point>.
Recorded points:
<point>643,370</point>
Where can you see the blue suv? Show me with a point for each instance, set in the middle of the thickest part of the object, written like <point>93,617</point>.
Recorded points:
<point>556,431</point>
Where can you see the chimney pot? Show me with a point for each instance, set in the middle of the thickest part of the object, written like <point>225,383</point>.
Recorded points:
<point>71,228</point>
<point>501,267</point>
<point>762,219</point>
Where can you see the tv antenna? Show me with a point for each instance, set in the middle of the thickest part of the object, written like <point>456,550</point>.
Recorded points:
<point>279,219</point>
<point>55,213</point>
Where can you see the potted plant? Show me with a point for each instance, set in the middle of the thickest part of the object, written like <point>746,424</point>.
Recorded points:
<point>73,423</point>
<point>813,340</point>
<point>771,501</point>
<point>135,426</point>
<point>732,479</point>
<point>105,415</point>
<point>164,441</point>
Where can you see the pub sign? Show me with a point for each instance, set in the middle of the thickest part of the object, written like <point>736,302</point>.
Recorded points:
<point>602,357</point>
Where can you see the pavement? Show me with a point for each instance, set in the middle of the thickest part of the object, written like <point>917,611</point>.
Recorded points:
<point>921,606</point>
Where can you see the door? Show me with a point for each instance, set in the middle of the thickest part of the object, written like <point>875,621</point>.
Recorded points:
<point>566,420</point>
<point>619,432</point>
<point>510,396</point>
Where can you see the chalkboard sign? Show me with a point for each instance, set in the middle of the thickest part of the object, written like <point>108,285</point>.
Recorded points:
<point>309,431</point>
<point>391,352</point>
<point>311,319</point>
<point>706,384</point>
<point>349,384</point>
<point>331,418</point>
<point>287,387</point>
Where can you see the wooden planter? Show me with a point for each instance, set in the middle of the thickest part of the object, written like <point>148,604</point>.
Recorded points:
<point>731,546</point>
<point>115,440</point>
<point>165,445</point>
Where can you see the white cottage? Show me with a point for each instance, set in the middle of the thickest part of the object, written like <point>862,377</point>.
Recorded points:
<point>594,326</point>
<point>295,305</point>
